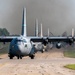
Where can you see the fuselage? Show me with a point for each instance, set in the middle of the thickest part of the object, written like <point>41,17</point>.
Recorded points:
<point>39,46</point>
<point>21,46</point>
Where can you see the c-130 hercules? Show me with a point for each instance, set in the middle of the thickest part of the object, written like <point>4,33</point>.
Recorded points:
<point>23,46</point>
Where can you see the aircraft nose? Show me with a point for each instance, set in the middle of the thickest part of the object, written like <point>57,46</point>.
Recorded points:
<point>14,49</point>
<point>17,48</point>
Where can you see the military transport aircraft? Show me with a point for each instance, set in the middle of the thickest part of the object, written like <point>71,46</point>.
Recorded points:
<point>23,46</point>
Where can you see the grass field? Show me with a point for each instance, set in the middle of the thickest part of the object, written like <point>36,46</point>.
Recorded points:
<point>70,66</point>
<point>69,52</point>
<point>4,48</point>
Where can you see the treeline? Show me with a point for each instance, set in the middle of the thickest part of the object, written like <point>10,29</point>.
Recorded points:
<point>4,32</point>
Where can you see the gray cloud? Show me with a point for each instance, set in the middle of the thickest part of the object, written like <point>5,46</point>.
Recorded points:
<point>58,15</point>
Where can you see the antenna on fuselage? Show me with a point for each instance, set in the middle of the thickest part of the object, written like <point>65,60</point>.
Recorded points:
<point>24,32</point>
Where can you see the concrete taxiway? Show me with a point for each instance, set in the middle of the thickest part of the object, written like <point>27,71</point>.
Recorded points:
<point>48,63</point>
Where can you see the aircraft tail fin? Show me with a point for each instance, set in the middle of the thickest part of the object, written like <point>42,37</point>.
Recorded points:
<point>36,27</point>
<point>41,31</point>
<point>24,32</point>
<point>48,32</point>
<point>72,32</point>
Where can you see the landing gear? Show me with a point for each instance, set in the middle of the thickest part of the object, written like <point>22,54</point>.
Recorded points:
<point>32,56</point>
<point>42,50</point>
<point>10,56</point>
<point>19,57</point>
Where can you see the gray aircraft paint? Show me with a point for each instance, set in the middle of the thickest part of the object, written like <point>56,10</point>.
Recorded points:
<point>36,28</point>
<point>21,45</point>
<point>20,48</point>
<point>24,31</point>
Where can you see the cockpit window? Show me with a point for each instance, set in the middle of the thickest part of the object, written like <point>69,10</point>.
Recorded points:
<point>19,41</point>
<point>24,40</point>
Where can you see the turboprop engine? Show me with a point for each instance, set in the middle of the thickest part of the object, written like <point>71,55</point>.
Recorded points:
<point>58,45</point>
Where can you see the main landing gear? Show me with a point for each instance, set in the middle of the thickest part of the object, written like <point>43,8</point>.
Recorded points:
<point>18,57</point>
<point>32,56</point>
<point>10,56</point>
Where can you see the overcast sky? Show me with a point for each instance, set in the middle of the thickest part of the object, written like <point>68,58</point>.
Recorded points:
<point>57,15</point>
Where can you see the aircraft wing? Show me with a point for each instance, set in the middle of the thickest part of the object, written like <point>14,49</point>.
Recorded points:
<point>37,39</point>
<point>53,39</point>
<point>7,38</point>
<point>61,39</point>
<point>40,39</point>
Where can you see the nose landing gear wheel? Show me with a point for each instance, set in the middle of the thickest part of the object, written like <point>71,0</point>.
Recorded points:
<point>19,57</point>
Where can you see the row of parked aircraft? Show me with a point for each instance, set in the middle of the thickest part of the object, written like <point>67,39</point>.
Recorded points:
<point>23,45</point>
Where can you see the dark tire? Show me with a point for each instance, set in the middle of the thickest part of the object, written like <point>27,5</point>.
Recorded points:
<point>17,57</point>
<point>32,56</point>
<point>46,50</point>
<point>11,57</point>
<point>20,57</point>
<point>42,51</point>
